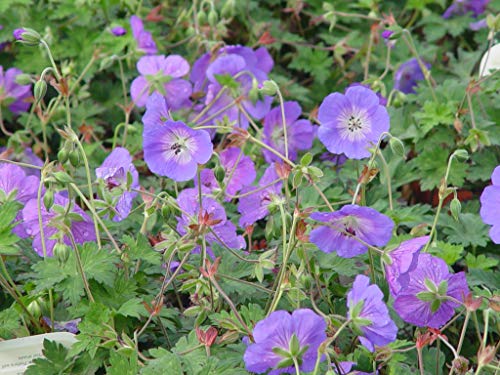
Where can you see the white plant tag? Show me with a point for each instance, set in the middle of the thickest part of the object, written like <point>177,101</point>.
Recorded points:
<point>17,354</point>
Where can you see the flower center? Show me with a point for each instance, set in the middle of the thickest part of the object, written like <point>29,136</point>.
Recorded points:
<point>354,124</point>
<point>177,148</point>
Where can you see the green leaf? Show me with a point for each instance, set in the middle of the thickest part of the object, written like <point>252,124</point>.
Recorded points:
<point>122,364</point>
<point>435,113</point>
<point>468,231</point>
<point>316,62</point>
<point>163,359</point>
<point>448,252</point>
<point>481,262</point>
<point>54,362</point>
<point>134,308</point>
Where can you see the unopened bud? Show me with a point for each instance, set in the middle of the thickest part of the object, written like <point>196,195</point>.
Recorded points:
<point>48,199</point>
<point>201,17</point>
<point>61,252</point>
<point>455,208</point>
<point>40,90</point>
<point>268,88</point>
<point>212,18</point>
<point>461,154</point>
<point>227,10</point>
<point>34,308</point>
<point>27,36</point>
<point>166,211</point>
<point>62,155</point>
<point>74,158</point>
<point>397,147</point>
<point>219,173</point>
<point>23,79</point>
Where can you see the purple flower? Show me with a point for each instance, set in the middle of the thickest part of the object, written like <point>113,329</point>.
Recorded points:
<point>300,133</point>
<point>162,74</point>
<point>245,69</point>
<point>118,31</point>
<point>114,171</point>
<point>14,95</point>
<point>430,294</point>
<point>143,38</point>
<point>156,111</point>
<point>174,150</point>
<point>462,7</point>
<point>408,75</point>
<point>15,185</point>
<point>403,261</point>
<point>490,201</point>
<point>386,34</point>
<point>239,171</point>
<point>478,25</point>
<point>55,223</point>
<point>212,220</point>
<point>259,62</point>
<point>350,123</point>
<point>18,33</point>
<point>351,221</point>
<point>255,206</point>
<point>27,156</point>
<point>281,337</point>
<point>381,99</point>
<point>69,326</point>
<point>369,314</point>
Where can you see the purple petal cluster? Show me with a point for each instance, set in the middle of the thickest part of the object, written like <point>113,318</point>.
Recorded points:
<point>27,157</point>
<point>239,171</point>
<point>15,185</point>
<point>55,223</point>
<point>344,226</point>
<point>15,96</point>
<point>211,220</point>
<point>462,7</point>
<point>114,171</point>
<point>408,75</point>
<point>353,122</point>
<point>162,74</point>
<point>157,111</point>
<point>245,66</point>
<point>255,206</point>
<point>118,31</point>
<point>403,260</point>
<point>174,149</point>
<point>430,294</point>
<point>300,133</point>
<point>272,338</point>
<point>68,326</point>
<point>490,202</point>
<point>144,39</point>
<point>369,314</point>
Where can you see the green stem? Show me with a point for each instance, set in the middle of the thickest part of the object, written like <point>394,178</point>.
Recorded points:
<point>322,348</point>
<point>53,63</point>
<point>80,265</point>
<point>388,177</point>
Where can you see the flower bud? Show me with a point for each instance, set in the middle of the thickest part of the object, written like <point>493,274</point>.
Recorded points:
<point>455,208</point>
<point>397,147</point>
<point>201,17</point>
<point>74,158</point>
<point>461,154</point>
<point>62,155</point>
<point>40,90</point>
<point>48,199</point>
<point>61,252</point>
<point>219,173</point>
<point>227,10</point>
<point>166,212</point>
<point>268,88</point>
<point>27,36</point>
<point>212,17</point>
<point>34,309</point>
<point>23,79</point>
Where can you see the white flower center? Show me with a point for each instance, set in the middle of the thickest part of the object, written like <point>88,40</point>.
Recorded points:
<point>354,124</point>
